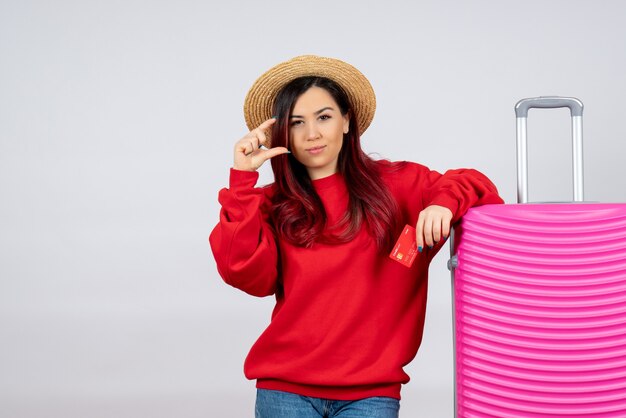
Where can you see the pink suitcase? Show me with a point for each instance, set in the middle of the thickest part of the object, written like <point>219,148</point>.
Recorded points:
<point>539,300</point>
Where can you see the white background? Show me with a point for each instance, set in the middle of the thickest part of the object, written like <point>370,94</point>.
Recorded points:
<point>117,121</point>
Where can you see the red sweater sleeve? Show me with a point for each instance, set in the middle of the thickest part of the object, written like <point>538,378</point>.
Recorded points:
<point>460,190</point>
<point>243,242</point>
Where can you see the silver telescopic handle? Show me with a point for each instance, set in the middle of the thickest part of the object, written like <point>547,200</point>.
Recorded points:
<point>549,102</point>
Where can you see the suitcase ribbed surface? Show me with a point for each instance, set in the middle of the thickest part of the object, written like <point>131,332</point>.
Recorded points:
<point>540,311</point>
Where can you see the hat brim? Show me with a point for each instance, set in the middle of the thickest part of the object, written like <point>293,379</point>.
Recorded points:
<point>258,104</point>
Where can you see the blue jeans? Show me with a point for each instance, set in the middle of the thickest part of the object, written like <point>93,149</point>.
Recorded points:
<point>277,404</point>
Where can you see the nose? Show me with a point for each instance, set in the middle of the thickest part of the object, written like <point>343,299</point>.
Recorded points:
<point>313,132</point>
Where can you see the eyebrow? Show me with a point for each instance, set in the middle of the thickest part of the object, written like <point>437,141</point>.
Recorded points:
<point>316,113</point>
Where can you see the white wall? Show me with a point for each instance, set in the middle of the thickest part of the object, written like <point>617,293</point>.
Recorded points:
<point>117,121</point>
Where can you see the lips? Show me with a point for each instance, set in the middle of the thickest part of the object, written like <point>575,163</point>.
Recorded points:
<point>316,150</point>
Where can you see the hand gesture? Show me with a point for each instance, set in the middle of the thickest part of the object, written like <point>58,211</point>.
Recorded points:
<point>433,224</point>
<point>248,154</point>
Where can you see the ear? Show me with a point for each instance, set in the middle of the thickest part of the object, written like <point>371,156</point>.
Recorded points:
<point>346,123</point>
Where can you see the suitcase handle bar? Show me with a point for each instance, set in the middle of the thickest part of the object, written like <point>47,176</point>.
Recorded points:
<point>549,102</point>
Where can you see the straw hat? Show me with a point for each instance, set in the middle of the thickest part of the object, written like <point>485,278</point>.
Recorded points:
<point>260,98</point>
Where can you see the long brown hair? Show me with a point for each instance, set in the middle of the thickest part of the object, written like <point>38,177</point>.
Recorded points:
<point>297,211</point>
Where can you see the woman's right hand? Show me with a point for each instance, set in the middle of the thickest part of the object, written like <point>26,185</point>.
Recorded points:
<point>248,155</point>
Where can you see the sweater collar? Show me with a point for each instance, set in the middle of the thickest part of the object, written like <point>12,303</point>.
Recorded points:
<point>328,182</point>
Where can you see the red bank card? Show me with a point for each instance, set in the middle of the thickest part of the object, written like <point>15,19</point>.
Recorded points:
<point>405,250</point>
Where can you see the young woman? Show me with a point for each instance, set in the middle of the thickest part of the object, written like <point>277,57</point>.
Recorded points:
<point>347,318</point>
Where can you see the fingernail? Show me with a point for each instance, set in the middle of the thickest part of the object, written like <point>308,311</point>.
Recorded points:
<point>274,117</point>
<point>430,246</point>
<point>419,249</point>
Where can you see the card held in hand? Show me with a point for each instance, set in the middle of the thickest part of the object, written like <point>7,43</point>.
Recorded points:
<point>405,250</point>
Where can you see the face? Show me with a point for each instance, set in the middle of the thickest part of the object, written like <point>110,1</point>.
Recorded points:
<point>316,128</point>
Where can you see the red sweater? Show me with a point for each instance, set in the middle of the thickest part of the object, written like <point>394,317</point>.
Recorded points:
<point>349,318</point>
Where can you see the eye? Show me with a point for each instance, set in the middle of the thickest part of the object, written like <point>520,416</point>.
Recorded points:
<point>325,117</point>
<point>296,122</point>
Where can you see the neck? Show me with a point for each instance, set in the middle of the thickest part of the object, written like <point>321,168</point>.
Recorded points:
<point>316,174</point>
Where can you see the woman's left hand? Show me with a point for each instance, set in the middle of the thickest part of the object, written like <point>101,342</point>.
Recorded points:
<point>433,224</point>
